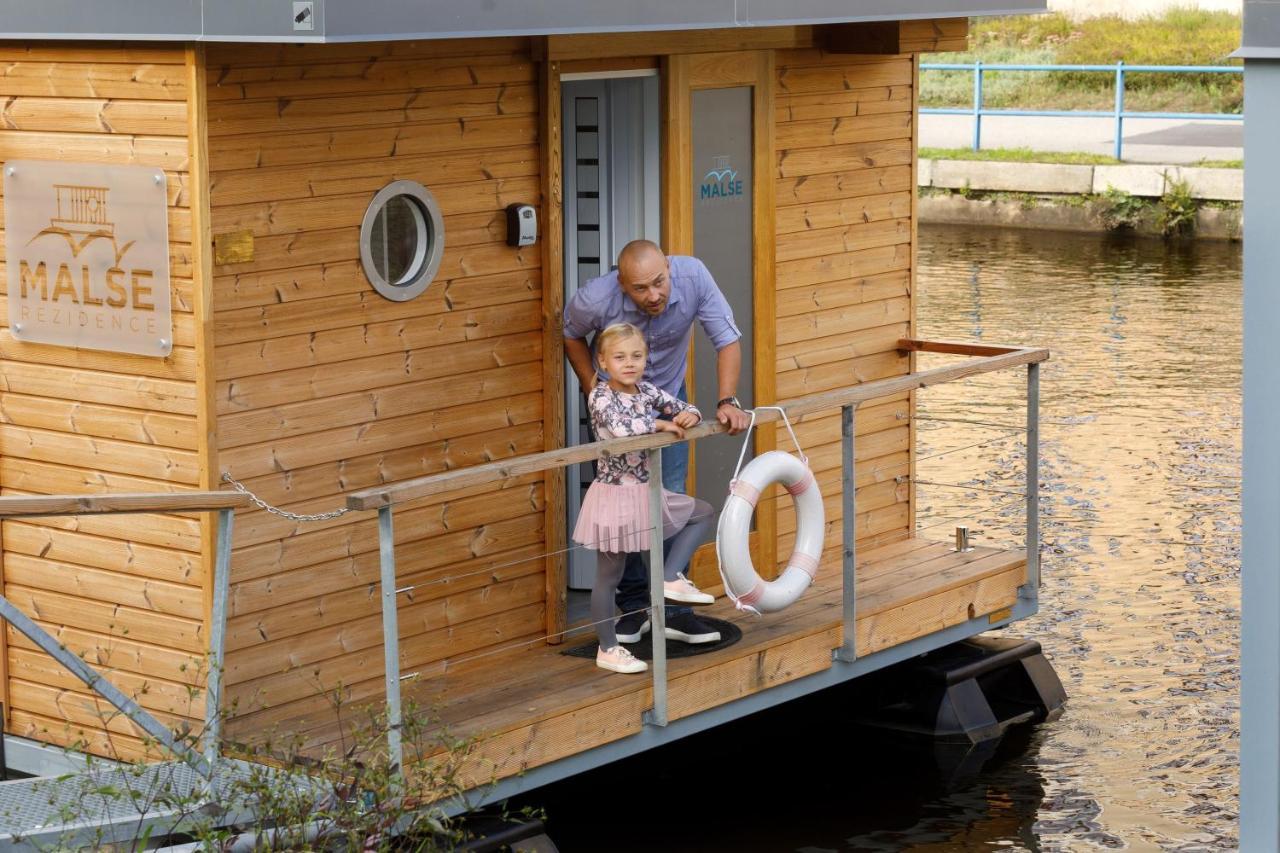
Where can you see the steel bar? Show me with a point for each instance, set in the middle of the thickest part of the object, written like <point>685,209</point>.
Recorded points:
<point>977,105</point>
<point>100,685</point>
<point>1033,481</point>
<point>390,635</point>
<point>657,716</point>
<point>217,641</point>
<point>1119,149</point>
<point>848,651</point>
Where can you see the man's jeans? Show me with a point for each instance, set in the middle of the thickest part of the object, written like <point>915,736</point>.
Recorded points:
<point>633,589</point>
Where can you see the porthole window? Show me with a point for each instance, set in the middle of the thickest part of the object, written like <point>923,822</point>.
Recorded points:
<point>402,240</point>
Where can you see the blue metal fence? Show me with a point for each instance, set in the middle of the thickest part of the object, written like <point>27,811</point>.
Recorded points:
<point>1118,113</point>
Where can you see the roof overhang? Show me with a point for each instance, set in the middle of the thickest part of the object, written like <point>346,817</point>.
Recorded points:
<point>1260,36</point>
<point>388,20</point>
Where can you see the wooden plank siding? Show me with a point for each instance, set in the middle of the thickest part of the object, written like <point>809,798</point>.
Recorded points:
<point>322,386</point>
<point>844,243</point>
<point>127,593</point>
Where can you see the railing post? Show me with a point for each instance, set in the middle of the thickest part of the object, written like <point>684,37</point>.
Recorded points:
<point>217,642</point>
<point>977,105</point>
<point>1033,482</point>
<point>1119,109</point>
<point>390,636</point>
<point>848,650</point>
<point>657,715</point>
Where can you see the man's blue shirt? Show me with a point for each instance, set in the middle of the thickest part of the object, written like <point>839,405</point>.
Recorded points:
<point>694,296</point>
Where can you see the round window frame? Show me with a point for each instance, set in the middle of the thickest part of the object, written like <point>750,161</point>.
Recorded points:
<point>431,255</point>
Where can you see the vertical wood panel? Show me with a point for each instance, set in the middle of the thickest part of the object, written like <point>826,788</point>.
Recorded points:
<point>553,345</point>
<point>68,410</point>
<point>335,388</point>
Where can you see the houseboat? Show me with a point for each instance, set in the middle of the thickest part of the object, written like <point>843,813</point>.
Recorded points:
<point>318,253</point>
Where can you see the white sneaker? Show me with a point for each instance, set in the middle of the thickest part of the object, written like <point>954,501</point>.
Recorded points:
<point>682,590</point>
<point>619,659</point>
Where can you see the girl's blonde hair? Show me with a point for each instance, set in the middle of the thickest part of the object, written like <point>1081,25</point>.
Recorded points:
<point>619,332</point>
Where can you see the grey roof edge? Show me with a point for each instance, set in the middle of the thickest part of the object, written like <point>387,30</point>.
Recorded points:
<point>338,21</point>
<point>1260,32</point>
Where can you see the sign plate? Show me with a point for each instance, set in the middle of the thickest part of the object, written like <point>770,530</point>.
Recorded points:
<point>87,256</point>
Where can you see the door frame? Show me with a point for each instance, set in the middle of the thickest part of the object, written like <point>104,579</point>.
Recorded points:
<point>680,76</point>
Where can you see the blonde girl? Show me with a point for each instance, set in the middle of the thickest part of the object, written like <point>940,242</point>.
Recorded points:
<point>614,519</point>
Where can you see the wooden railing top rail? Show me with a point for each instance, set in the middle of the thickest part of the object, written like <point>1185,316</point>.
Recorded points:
<point>987,358</point>
<point>17,507</point>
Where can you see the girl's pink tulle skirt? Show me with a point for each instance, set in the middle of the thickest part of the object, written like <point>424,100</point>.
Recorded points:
<point>615,519</point>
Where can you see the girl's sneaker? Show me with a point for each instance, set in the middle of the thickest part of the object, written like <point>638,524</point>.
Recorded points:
<point>682,590</point>
<point>619,659</point>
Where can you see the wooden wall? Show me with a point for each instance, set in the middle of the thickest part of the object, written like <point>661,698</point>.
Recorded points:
<point>324,387</point>
<point>126,592</point>
<point>845,200</point>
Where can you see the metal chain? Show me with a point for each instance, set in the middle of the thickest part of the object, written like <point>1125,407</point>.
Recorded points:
<point>275,510</point>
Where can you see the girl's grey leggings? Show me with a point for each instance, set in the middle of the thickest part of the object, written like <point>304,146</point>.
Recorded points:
<point>684,541</point>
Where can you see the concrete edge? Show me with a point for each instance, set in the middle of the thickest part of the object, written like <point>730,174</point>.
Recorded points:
<point>1064,215</point>
<point>1146,180</point>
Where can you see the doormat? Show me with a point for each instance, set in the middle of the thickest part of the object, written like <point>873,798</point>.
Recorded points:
<point>729,634</point>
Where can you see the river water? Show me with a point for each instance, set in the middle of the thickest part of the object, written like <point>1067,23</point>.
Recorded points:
<point>1140,464</point>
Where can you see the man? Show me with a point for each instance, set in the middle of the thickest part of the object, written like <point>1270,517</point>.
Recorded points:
<point>662,297</point>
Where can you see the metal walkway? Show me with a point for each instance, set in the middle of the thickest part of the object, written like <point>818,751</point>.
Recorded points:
<point>124,803</point>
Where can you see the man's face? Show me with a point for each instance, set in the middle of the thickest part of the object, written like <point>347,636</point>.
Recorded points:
<point>647,282</point>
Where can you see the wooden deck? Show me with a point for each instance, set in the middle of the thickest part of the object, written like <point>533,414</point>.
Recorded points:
<point>535,705</point>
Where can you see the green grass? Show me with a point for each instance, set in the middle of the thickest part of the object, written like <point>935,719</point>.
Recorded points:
<point>1219,164</point>
<point>1018,155</point>
<point>1177,37</point>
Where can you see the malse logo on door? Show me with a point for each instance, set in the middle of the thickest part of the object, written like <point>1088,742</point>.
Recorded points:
<point>721,181</point>
<point>87,256</point>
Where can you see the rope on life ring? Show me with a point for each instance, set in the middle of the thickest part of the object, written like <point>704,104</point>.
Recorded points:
<point>742,583</point>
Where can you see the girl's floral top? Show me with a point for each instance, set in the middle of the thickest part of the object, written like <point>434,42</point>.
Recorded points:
<point>615,414</point>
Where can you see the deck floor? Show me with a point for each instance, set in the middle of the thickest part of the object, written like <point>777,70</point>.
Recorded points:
<point>534,704</point>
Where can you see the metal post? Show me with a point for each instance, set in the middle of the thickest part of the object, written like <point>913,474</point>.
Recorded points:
<point>1119,109</point>
<point>977,105</point>
<point>390,635</point>
<point>217,641</point>
<point>1033,482</point>
<point>657,716</point>
<point>848,650</point>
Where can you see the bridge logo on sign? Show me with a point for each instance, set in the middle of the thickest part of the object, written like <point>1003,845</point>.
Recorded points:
<point>721,181</point>
<point>88,256</point>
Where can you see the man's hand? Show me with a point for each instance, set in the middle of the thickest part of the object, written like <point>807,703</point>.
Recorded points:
<point>686,419</point>
<point>734,418</point>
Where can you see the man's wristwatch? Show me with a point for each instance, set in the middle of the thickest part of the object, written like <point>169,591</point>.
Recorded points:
<point>732,401</point>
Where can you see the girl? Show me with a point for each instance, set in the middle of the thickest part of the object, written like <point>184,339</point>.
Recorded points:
<point>614,519</point>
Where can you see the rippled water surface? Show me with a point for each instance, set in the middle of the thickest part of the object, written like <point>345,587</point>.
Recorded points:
<point>1140,457</point>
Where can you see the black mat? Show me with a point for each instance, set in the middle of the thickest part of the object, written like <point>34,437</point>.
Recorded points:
<point>729,634</point>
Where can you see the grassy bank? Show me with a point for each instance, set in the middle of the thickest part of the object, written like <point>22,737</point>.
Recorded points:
<point>1177,37</point>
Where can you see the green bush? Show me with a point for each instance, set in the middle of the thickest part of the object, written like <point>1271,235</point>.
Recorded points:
<point>1176,37</point>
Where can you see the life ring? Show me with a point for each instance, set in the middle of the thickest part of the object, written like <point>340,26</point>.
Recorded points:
<point>741,581</point>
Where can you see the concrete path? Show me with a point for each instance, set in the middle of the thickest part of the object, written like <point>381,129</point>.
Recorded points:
<point>1145,140</point>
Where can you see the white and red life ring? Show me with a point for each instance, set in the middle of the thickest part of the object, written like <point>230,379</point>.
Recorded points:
<point>742,582</point>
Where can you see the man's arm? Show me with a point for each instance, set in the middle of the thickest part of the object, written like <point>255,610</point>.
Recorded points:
<point>579,355</point>
<point>728,370</point>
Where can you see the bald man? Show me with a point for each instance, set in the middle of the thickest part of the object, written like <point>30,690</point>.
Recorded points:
<point>663,297</point>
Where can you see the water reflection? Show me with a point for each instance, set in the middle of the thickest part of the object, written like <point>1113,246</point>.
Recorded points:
<point>1140,456</point>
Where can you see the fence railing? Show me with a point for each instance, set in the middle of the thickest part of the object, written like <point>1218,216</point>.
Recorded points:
<point>984,359</point>
<point>1118,113</point>
<point>225,505</point>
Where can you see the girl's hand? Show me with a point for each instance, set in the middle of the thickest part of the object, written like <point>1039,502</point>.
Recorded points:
<point>686,419</point>
<point>669,426</point>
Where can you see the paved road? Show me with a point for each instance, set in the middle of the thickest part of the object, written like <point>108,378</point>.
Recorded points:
<point>1145,140</point>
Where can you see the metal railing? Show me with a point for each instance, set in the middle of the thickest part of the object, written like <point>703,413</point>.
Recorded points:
<point>985,359</point>
<point>225,505</point>
<point>1118,113</point>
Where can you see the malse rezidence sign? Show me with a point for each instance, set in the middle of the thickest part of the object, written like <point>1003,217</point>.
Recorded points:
<point>87,256</point>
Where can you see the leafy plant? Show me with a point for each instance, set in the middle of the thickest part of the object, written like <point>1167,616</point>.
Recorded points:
<point>1119,209</point>
<point>1177,212</point>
